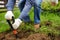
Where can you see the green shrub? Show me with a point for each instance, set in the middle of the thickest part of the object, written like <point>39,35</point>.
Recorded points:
<point>48,6</point>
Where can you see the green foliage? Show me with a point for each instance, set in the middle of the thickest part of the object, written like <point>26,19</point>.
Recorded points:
<point>48,6</point>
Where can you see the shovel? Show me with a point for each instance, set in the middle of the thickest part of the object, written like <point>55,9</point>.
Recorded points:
<point>10,24</point>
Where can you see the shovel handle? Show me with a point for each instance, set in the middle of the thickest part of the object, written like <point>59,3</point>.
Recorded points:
<point>13,20</point>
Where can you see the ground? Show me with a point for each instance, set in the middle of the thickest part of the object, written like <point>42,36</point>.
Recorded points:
<point>25,35</point>
<point>49,30</point>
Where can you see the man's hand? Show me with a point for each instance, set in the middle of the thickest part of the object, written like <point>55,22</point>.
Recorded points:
<point>9,15</point>
<point>17,23</point>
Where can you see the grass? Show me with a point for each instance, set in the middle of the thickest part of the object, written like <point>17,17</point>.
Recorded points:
<point>45,16</point>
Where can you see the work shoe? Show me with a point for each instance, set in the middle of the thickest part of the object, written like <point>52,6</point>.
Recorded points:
<point>37,26</point>
<point>17,23</point>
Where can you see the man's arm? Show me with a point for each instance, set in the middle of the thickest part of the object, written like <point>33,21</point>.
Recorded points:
<point>10,4</point>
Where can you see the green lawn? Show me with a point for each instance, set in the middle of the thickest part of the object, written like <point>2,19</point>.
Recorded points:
<point>45,16</point>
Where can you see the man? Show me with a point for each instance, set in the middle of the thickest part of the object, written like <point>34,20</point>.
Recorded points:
<point>10,6</point>
<point>24,14</point>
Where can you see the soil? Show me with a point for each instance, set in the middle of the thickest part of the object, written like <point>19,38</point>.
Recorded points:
<point>24,35</point>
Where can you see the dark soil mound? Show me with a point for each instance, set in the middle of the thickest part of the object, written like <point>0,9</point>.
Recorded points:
<point>25,36</point>
<point>38,36</point>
